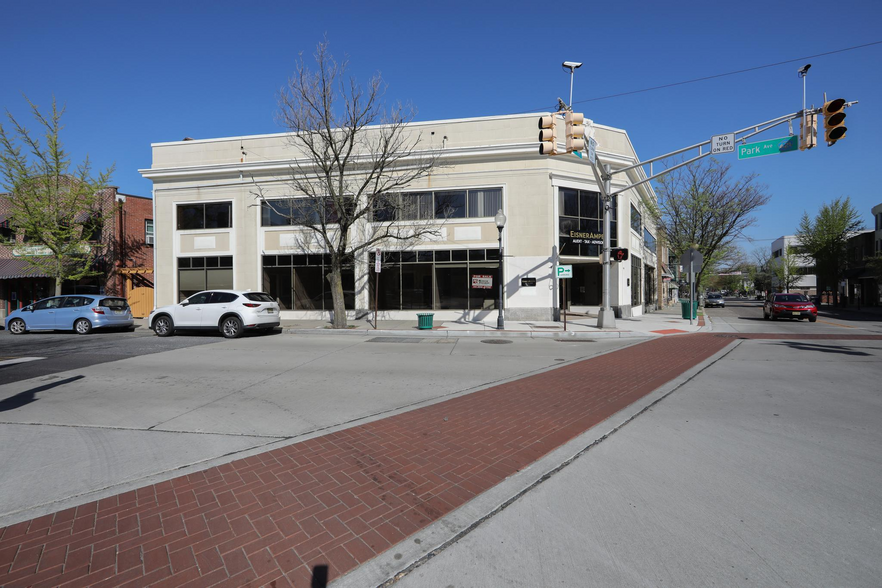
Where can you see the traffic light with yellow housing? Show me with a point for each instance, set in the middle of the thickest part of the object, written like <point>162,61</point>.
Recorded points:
<point>575,131</point>
<point>808,132</point>
<point>547,135</point>
<point>834,120</point>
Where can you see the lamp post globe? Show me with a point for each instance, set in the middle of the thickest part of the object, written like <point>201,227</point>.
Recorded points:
<point>500,224</point>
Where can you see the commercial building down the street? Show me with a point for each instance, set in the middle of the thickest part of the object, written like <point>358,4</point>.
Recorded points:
<point>216,229</point>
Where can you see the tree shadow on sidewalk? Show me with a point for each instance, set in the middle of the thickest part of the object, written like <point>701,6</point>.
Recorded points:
<point>841,349</point>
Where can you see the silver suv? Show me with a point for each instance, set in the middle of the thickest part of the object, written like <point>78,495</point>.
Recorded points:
<point>229,311</point>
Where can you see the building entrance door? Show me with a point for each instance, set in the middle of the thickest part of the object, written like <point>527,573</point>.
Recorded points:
<point>585,288</point>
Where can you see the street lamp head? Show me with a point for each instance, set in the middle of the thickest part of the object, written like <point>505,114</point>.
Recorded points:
<point>500,220</point>
<point>572,65</point>
<point>803,70</point>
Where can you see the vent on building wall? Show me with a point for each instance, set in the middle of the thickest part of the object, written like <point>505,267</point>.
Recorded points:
<point>149,239</point>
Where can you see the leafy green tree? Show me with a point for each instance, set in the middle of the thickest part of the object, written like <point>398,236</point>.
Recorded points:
<point>825,237</point>
<point>58,208</point>
<point>701,204</point>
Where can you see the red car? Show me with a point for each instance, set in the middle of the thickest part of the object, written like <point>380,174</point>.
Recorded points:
<point>796,306</point>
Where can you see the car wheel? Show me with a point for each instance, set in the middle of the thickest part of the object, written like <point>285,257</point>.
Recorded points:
<point>813,319</point>
<point>164,326</point>
<point>231,327</point>
<point>17,327</point>
<point>82,326</point>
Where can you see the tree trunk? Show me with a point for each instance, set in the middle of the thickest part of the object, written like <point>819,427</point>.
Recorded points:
<point>335,278</point>
<point>58,282</point>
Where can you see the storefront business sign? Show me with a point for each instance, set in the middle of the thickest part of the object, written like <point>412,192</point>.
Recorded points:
<point>482,281</point>
<point>582,238</point>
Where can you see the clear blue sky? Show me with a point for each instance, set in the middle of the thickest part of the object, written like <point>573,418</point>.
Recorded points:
<point>133,73</point>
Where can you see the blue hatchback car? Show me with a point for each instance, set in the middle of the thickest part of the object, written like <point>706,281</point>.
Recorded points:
<point>76,312</point>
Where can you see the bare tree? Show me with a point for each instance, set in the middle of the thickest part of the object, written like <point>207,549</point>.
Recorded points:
<point>59,209</point>
<point>354,158</point>
<point>700,204</point>
<point>786,269</point>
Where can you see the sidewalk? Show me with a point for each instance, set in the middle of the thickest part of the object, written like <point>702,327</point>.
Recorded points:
<point>337,500</point>
<point>662,322</point>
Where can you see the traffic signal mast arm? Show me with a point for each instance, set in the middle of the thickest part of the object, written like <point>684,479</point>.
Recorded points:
<point>741,136</point>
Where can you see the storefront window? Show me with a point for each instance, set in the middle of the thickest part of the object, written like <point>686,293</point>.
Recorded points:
<point>299,282</point>
<point>580,225</point>
<point>636,281</point>
<point>204,273</point>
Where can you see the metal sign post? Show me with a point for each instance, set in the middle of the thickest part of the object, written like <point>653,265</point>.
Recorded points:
<point>692,260</point>
<point>564,272</point>
<point>378,265</point>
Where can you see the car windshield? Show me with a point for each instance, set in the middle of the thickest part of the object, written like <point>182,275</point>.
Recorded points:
<point>791,298</point>
<point>258,297</point>
<point>714,296</point>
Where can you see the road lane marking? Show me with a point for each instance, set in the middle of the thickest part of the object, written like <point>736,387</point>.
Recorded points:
<point>837,324</point>
<point>15,360</point>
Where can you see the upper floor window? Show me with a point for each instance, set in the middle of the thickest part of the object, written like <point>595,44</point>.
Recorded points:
<point>148,231</point>
<point>440,204</point>
<point>213,215</point>
<point>284,212</point>
<point>636,219</point>
<point>648,240</point>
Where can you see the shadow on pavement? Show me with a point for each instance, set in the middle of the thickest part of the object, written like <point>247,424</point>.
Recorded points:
<point>843,350</point>
<point>26,397</point>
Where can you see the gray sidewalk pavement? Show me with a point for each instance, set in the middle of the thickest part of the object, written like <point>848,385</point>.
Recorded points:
<point>662,322</point>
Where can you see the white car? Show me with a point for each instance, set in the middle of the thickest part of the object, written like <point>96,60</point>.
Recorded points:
<point>229,311</point>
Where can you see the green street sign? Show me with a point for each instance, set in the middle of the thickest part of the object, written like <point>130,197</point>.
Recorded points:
<point>770,147</point>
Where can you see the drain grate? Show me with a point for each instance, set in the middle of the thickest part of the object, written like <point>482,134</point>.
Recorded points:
<point>576,340</point>
<point>395,340</point>
<point>497,341</point>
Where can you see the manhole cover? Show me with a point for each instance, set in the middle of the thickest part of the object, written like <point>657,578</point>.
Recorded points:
<point>497,341</point>
<point>576,340</point>
<point>394,340</point>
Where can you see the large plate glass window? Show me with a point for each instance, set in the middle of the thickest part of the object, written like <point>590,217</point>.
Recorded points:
<point>299,282</point>
<point>211,215</point>
<point>580,224</point>
<point>204,273</point>
<point>440,204</point>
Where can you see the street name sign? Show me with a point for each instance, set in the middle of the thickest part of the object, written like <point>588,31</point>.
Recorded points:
<point>564,271</point>
<point>592,150</point>
<point>723,143</point>
<point>770,147</point>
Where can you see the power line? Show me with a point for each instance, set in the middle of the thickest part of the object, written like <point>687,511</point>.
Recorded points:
<point>731,73</point>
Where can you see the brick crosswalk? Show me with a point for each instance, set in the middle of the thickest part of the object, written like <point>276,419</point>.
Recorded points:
<point>336,500</point>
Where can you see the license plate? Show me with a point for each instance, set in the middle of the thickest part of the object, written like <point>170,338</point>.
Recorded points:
<point>796,312</point>
<point>270,310</point>
<point>119,312</point>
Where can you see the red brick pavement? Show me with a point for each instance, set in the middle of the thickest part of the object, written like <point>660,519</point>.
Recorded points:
<point>336,500</point>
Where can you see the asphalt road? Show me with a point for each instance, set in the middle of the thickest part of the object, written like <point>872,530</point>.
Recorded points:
<point>746,316</point>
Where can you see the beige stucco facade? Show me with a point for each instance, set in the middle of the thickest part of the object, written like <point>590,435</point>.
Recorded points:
<point>498,152</point>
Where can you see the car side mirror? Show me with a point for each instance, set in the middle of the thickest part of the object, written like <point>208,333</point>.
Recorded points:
<point>29,308</point>
<point>185,303</point>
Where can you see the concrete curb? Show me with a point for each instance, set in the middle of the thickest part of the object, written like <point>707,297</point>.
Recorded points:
<point>448,333</point>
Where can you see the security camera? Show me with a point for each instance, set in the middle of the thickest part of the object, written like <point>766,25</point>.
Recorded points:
<point>803,70</point>
<point>572,64</point>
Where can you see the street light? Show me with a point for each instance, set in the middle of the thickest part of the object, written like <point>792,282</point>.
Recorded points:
<point>500,223</point>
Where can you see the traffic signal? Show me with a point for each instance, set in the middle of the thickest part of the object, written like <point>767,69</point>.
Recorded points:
<point>834,120</point>
<point>808,132</point>
<point>618,254</point>
<point>547,135</point>
<point>575,131</point>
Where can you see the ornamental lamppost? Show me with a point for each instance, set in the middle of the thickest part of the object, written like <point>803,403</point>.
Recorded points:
<point>500,224</point>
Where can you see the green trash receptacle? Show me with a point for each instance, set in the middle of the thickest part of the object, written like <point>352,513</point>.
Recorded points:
<point>684,306</point>
<point>425,319</point>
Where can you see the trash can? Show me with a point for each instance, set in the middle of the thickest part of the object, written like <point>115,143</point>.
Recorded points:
<point>425,319</point>
<point>684,306</point>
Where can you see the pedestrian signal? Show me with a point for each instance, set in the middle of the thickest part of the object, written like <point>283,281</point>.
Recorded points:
<point>618,254</point>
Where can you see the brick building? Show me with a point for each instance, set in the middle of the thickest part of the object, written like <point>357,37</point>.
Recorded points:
<point>124,259</point>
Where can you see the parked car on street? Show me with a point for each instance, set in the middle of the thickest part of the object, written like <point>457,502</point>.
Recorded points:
<point>715,301</point>
<point>781,305</point>
<point>229,311</point>
<point>77,312</point>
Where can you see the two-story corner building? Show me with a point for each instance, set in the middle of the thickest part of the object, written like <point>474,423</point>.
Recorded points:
<point>213,231</point>
<point>808,282</point>
<point>123,257</point>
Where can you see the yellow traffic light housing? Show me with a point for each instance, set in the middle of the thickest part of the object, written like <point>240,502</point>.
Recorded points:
<point>575,131</point>
<point>834,120</point>
<point>547,135</point>
<point>808,132</point>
